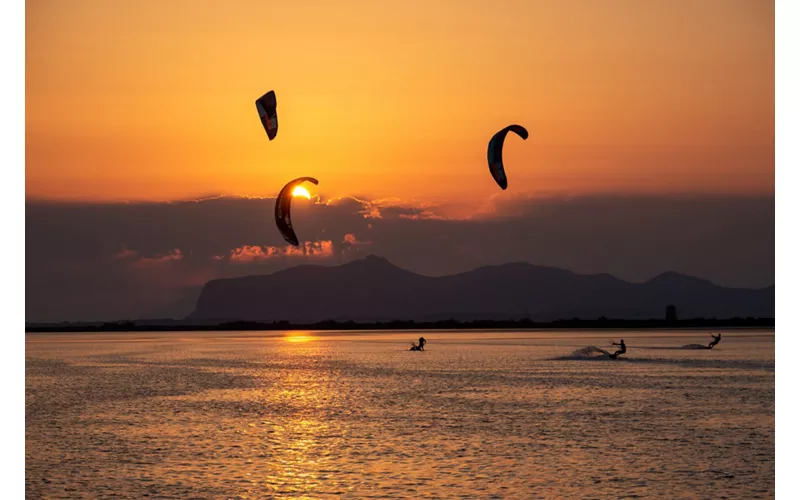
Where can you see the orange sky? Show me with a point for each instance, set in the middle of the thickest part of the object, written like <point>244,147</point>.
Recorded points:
<point>154,99</point>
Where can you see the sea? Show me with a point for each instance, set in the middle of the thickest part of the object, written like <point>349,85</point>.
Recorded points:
<point>477,414</point>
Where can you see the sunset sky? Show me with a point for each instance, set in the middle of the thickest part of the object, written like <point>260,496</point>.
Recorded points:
<point>148,172</point>
<point>154,100</point>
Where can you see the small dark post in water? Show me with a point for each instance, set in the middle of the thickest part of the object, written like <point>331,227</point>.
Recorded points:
<point>672,314</point>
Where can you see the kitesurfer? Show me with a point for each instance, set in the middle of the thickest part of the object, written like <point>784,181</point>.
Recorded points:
<point>418,347</point>
<point>716,340</point>
<point>622,349</point>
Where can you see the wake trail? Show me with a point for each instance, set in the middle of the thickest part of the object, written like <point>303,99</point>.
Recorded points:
<point>671,348</point>
<point>589,352</point>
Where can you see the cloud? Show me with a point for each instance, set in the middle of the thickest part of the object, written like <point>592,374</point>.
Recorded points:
<point>107,261</point>
<point>125,254</point>
<point>422,214</point>
<point>173,255</point>
<point>352,246</point>
<point>250,253</point>
<point>352,240</point>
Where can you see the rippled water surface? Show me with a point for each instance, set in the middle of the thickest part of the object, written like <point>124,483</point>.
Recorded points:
<point>509,414</point>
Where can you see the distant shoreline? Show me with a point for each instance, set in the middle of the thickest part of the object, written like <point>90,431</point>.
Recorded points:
<point>601,323</point>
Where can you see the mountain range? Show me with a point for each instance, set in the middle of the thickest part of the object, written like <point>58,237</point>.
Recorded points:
<point>373,289</point>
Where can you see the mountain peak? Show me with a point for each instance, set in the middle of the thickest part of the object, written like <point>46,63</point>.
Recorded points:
<point>375,258</point>
<point>675,278</point>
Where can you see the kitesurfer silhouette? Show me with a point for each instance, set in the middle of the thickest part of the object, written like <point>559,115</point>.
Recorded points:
<point>622,349</point>
<point>418,347</point>
<point>716,340</point>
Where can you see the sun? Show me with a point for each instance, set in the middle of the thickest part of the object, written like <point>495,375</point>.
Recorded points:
<point>301,191</point>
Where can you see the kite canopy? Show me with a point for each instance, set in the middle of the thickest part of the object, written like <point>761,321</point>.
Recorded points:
<point>495,153</point>
<point>283,206</point>
<point>267,106</point>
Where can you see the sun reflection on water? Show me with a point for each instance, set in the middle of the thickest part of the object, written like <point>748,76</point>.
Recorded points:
<point>302,444</point>
<point>299,337</point>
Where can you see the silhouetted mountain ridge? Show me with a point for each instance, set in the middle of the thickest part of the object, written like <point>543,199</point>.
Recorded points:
<point>374,289</point>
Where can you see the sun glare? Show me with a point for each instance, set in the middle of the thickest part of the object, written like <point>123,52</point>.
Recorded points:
<point>301,191</point>
<point>299,337</point>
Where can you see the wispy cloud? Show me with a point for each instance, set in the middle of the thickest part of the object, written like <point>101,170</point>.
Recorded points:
<point>133,257</point>
<point>173,255</point>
